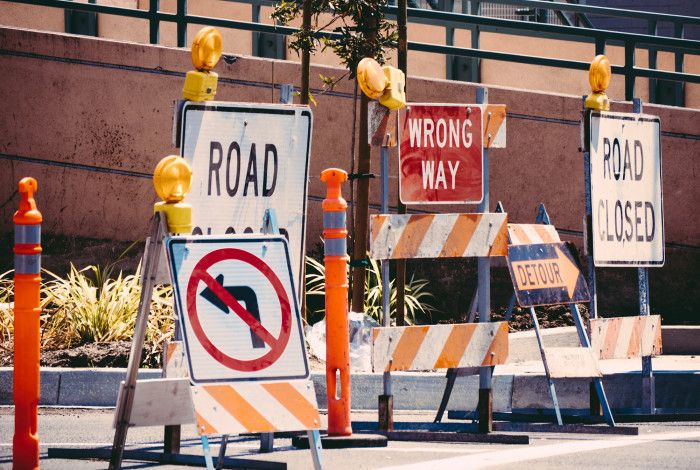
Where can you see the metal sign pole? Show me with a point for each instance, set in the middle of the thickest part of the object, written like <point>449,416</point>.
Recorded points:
<point>587,222</point>
<point>648,385</point>
<point>386,421</point>
<point>485,406</point>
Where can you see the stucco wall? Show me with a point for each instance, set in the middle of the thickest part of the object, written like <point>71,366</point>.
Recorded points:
<point>90,118</point>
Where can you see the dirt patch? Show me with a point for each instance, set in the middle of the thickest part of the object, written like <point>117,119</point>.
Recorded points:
<point>112,354</point>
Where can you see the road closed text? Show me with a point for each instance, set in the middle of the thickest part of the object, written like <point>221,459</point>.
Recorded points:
<point>625,220</point>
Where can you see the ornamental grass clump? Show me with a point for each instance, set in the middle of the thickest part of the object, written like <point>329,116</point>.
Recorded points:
<point>418,307</point>
<point>89,306</point>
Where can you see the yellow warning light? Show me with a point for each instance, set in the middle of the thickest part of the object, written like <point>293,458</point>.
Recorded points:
<point>200,84</point>
<point>387,84</point>
<point>371,78</point>
<point>599,78</point>
<point>206,49</point>
<point>172,179</point>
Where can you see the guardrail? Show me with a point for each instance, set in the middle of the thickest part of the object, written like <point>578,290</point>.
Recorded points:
<point>472,21</point>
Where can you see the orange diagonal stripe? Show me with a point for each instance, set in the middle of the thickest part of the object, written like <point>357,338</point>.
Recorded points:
<point>544,234</point>
<point>456,344</point>
<point>522,238</point>
<point>610,340</point>
<point>493,123</point>
<point>239,408</point>
<point>408,346</point>
<point>412,236</point>
<point>499,347</point>
<point>377,223</point>
<point>204,427</point>
<point>460,235</point>
<point>635,344</point>
<point>295,403</point>
<point>500,243</point>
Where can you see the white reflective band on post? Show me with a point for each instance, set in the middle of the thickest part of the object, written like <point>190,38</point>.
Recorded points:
<point>28,234</point>
<point>335,246</point>
<point>334,219</point>
<point>27,264</point>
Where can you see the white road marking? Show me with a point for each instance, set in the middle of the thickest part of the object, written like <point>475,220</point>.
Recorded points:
<point>519,454</point>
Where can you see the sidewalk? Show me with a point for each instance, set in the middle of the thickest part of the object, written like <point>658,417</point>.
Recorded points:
<point>516,386</point>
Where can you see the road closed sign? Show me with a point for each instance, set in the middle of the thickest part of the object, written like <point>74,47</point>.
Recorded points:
<point>626,197</point>
<point>246,158</point>
<point>236,303</point>
<point>440,154</point>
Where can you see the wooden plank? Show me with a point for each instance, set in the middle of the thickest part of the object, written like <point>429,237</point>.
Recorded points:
<point>160,402</point>
<point>626,337</point>
<point>572,362</point>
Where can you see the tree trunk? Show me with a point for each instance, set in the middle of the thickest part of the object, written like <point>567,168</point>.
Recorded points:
<point>361,211</point>
<point>305,54</point>
<point>401,264</point>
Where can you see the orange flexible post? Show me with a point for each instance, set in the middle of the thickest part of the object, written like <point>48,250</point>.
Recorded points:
<point>337,335</point>
<point>27,280</point>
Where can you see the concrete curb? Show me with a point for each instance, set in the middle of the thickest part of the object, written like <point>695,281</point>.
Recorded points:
<point>412,391</point>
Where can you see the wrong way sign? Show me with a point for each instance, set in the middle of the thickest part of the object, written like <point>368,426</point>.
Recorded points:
<point>440,154</point>
<point>626,195</point>
<point>247,158</point>
<point>546,274</point>
<point>238,309</point>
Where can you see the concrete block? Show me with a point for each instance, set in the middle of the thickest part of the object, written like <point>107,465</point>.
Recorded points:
<point>680,340</point>
<point>49,380</point>
<point>95,387</point>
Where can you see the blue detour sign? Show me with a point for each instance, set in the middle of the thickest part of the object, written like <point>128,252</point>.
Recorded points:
<point>546,274</point>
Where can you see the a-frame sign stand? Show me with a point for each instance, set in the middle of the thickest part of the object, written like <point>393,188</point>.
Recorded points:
<point>452,374</point>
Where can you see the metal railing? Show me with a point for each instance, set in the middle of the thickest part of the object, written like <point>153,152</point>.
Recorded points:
<point>469,19</point>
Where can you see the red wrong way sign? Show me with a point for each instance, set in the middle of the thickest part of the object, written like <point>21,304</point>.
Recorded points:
<point>237,306</point>
<point>440,154</point>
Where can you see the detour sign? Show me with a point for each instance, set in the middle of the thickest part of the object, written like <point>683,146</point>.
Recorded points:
<point>546,274</point>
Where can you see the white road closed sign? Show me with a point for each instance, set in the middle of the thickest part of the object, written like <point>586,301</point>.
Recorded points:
<point>237,306</point>
<point>247,158</point>
<point>626,196</point>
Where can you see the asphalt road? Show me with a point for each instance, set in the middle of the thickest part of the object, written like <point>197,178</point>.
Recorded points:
<point>665,445</point>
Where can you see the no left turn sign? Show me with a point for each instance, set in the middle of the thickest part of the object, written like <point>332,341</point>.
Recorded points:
<point>237,306</point>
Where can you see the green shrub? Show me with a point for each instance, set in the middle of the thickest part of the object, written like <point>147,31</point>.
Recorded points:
<point>417,298</point>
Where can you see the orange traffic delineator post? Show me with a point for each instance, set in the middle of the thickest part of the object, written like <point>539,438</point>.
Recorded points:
<point>336,259</point>
<point>337,335</point>
<point>27,308</point>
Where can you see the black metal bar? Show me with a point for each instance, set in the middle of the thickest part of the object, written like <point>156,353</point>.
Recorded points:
<point>154,24</point>
<point>652,29</point>
<point>461,20</point>
<point>679,87</point>
<point>629,71</point>
<point>599,45</point>
<point>181,23</point>
<point>603,11</point>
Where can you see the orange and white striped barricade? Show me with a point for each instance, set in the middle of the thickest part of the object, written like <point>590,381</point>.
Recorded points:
<point>626,337</point>
<point>394,236</point>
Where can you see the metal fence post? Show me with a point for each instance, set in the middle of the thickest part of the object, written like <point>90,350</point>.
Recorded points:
<point>181,23</point>
<point>153,22</point>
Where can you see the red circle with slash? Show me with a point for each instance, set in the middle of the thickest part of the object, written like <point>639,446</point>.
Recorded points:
<point>277,344</point>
